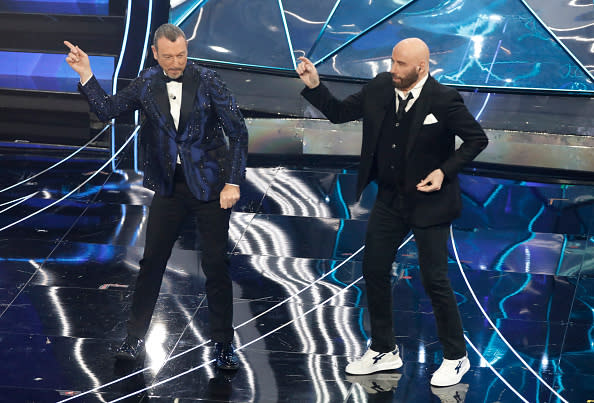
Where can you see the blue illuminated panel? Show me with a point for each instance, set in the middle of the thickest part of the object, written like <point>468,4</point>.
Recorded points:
<point>243,32</point>
<point>48,72</point>
<point>478,43</point>
<point>83,7</point>
<point>182,8</point>
<point>571,22</point>
<point>524,44</point>
<point>350,19</point>
<point>306,20</point>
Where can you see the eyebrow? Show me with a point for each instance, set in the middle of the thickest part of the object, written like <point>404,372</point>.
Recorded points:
<point>177,54</point>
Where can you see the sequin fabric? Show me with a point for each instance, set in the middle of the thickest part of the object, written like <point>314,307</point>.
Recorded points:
<point>207,159</point>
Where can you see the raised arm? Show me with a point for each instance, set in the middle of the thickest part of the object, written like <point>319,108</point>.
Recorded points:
<point>308,73</point>
<point>105,106</point>
<point>318,95</point>
<point>79,61</point>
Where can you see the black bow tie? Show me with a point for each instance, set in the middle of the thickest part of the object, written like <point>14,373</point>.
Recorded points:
<point>169,79</point>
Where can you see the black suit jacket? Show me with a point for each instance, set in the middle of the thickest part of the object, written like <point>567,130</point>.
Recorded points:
<point>430,146</point>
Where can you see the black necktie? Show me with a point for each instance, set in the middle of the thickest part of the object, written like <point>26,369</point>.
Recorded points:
<point>169,79</point>
<point>402,106</point>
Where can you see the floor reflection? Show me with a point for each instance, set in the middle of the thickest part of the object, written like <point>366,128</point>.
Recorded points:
<point>67,276</point>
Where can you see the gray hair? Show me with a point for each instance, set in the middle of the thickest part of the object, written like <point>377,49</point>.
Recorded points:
<point>169,31</point>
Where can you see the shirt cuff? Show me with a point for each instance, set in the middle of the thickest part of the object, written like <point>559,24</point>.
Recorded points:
<point>232,184</point>
<point>86,81</point>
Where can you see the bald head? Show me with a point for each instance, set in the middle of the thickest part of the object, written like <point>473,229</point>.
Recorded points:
<point>410,63</point>
<point>413,49</point>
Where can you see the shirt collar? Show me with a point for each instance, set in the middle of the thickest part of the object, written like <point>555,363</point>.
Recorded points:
<point>416,90</point>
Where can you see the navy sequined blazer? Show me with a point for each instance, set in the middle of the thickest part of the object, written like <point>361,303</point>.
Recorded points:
<point>208,113</point>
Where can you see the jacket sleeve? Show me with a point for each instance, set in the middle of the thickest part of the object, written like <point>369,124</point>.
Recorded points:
<point>233,123</point>
<point>461,123</point>
<point>337,111</point>
<point>107,106</point>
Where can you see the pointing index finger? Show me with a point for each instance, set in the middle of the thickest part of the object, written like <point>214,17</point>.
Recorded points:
<point>70,45</point>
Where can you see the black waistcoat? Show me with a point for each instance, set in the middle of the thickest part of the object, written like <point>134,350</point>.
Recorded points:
<point>390,156</point>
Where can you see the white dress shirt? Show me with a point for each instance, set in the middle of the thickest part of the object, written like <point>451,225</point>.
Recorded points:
<point>416,91</point>
<point>174,94</point>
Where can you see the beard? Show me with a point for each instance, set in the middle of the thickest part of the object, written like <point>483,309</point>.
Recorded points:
<point>406,81</point>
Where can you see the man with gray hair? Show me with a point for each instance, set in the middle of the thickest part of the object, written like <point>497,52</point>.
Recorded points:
<point>190,167</point>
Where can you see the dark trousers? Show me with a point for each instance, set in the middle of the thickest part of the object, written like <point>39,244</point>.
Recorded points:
<point>387,228</point>
<point>166,218</point>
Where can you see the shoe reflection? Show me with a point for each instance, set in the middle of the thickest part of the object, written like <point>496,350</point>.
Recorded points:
<point>451,394</point>
<point>220,386</point>
<point>379,386</point>
<point>129,385</point>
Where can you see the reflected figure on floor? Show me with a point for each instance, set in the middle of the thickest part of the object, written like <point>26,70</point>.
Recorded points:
<point>451,394</point>
<point>220,386</point>
<point>379,387</point>
<point>132,384</point>
<point>410,122</point>
<point>192,168</point>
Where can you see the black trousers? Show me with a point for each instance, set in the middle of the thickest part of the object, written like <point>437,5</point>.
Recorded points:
<point>387,227</point>
<point>165,220</point>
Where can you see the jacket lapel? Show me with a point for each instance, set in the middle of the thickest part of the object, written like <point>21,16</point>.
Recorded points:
<point>190,84</point>
<point>386,100</point>
<point>422,108</point>
<point>159,89</point>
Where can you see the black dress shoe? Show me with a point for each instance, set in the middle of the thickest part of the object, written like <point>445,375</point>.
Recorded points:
<point>225,356</point>
<point>131,348</point>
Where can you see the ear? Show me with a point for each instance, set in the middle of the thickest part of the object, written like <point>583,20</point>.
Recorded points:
<point>422,66</point>
<point>155,54</point>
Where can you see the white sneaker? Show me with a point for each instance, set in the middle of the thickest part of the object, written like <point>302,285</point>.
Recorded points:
<point>450,372</point>
<point>372,361</point>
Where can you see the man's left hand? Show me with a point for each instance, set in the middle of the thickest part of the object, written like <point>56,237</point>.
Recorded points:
<point>432,182</point>
<point>229,196</point>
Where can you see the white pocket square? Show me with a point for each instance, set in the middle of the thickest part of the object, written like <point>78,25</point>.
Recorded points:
<point>430,119</point>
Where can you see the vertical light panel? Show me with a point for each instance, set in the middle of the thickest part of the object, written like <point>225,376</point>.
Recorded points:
<point>282,12</point>
<point>117,74</point>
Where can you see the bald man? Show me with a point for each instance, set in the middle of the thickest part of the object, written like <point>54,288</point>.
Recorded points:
<point>409,125</point>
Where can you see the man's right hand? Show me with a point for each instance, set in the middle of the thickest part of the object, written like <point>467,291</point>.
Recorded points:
<point>308,73</point>
<point>79,61</point>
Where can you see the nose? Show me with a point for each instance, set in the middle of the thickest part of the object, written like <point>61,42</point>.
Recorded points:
<point>393,69</point>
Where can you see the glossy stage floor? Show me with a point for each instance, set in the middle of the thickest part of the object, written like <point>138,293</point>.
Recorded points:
<point>524,282</point>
